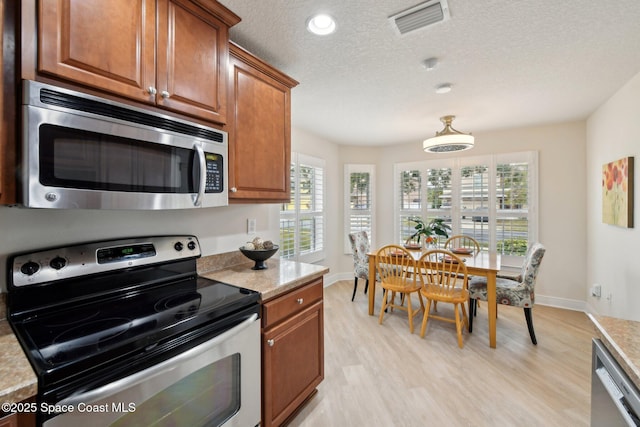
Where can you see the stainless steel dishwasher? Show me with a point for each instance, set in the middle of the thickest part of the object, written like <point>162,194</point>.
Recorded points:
<point>615,400</point>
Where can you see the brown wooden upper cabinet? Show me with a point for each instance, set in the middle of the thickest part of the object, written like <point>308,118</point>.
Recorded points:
<point>168,53</point>
<point>259,130</point>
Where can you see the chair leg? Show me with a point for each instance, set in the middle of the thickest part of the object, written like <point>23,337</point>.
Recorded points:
<point>465,318</point>
<point>366,286</point>
<point>458,325</point>
<point>425,318</point>
<point>527,315</point>
<point>410,312</point>
<point>384,305</point>
<point>355,287</point>
<point>472,313</point>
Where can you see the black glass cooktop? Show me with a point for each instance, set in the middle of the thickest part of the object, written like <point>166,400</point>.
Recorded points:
<point>130,321</point>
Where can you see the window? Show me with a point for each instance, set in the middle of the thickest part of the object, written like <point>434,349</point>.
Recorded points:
<point>359,206</point>
<point>302,219</point>
<point>513,211</point>
<point>491,198</point>
<point>433,186</point>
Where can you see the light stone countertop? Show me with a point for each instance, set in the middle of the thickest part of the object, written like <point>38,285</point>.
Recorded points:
<point>280,276</point>
<point>17,379</point>
<point>622,339</point>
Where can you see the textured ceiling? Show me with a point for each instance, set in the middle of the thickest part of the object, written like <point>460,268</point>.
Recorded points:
<point>510,63</point>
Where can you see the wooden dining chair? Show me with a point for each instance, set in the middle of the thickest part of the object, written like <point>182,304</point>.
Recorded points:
<point>462,243</point>
<point>396,267</point>
<point>443,279</point>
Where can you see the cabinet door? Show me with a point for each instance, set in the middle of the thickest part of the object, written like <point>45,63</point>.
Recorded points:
<point>293,363</point>
<point>192,61</point>
<point>108,45</point>
<point>259,130</point>
<point>9,421</point>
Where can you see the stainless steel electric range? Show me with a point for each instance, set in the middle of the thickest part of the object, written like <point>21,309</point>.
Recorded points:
<point>125,333</point>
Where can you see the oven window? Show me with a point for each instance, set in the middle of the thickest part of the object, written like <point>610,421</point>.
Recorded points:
<point>208,397</point>
<point>72,158</point>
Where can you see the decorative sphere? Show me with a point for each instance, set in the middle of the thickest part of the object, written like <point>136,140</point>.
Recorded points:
<point>258,243</point>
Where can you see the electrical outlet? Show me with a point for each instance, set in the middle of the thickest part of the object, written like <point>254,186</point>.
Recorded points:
<point>251,226</point>
<point>596,290</point>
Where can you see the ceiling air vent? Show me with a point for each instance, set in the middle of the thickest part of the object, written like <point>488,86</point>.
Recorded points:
<point>420,16</point>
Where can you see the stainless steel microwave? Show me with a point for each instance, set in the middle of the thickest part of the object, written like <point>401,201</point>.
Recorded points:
<point>86,152</point>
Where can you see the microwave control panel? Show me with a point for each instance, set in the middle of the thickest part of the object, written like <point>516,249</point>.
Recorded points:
<point>214,182</point>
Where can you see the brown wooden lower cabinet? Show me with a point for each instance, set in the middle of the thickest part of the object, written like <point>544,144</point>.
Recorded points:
<point>292,352</point>
<point>9,420</point>
<point>20,419</point>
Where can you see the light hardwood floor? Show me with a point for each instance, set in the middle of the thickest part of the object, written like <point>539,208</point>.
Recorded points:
<point>381,375</point>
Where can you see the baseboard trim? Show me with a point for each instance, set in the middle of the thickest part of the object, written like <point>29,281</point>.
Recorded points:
<point>569,304</point>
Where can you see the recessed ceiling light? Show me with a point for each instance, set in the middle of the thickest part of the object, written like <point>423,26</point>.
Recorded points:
<point>321,24</point>
<point>443,88</point>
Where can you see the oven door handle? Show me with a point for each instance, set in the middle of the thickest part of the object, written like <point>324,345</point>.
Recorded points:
<point>197,198</point>
<point>159,369</point>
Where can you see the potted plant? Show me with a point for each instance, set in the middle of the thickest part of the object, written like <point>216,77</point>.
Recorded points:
<point>429,230</point>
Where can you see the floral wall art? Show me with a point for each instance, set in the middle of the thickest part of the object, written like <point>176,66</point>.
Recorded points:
<point>617,192</point>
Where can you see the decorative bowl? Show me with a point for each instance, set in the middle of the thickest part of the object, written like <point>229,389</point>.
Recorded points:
<point>259,256</point>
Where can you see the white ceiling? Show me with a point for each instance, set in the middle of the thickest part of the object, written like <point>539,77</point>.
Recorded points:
<point>511,63</point>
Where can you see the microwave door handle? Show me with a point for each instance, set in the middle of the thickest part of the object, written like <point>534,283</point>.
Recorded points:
<point>197,198</point>
<point>155,371</point>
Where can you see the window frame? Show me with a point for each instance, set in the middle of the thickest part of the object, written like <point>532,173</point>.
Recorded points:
<point>297,214</point>
<point>351,168</point>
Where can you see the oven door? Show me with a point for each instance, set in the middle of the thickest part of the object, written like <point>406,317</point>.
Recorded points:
<point>216,383</point>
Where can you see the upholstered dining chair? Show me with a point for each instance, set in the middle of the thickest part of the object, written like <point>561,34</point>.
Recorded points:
<point>462,243</point>
<point>443,279</point>
<point>396,267</point>
<point>518,293</point>
<point>360,247</point>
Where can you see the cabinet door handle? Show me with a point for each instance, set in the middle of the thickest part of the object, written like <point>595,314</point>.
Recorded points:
<point>300,301</point>
<point>165,94</point>
<point>270,343</point>
<point>152,90</point>
<point>234,189</point>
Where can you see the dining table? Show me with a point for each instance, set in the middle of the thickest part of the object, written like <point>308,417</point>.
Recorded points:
<point>479,263</point>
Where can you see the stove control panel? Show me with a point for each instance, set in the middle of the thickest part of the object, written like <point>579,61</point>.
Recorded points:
<point>96,257</point>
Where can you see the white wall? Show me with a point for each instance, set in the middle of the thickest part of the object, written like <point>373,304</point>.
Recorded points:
<point>562,171</point>
<point>219,230</point>
<point>562,199</point>
<point>613,132</point>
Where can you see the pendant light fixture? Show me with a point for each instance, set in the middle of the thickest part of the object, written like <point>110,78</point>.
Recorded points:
<point>448,139</point>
